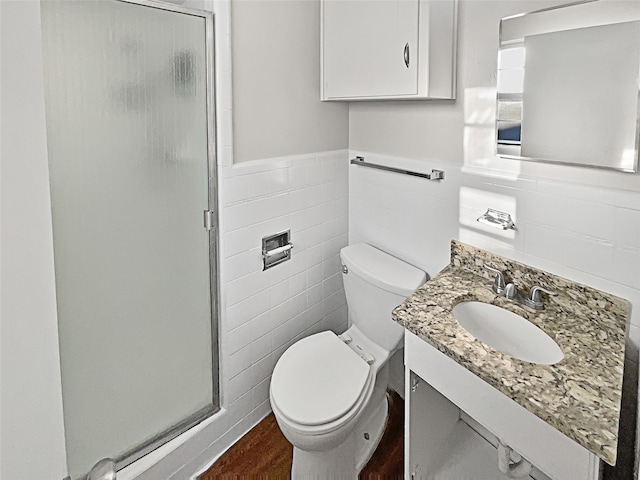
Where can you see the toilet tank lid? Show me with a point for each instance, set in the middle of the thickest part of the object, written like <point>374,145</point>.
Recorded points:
<point>381,269</point>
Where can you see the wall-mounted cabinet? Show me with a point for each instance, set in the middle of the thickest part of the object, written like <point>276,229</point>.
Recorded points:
<point>388,49</point>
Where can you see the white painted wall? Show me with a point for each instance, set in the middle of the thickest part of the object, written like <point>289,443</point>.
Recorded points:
<point>276,81</point>
<point>32,432</point>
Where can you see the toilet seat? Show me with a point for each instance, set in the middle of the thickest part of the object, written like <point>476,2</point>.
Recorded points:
<point>318,381</point>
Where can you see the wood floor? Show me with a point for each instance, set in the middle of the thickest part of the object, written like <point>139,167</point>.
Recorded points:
<point>264,453</point>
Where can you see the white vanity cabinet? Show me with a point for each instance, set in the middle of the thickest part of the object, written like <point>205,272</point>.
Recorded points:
<point>442,400</point>
<point>388,49</point>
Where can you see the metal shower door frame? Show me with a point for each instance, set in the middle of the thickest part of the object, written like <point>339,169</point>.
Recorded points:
<point>169,434</point>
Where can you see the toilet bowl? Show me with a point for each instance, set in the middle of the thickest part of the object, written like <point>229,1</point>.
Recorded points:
<point>328,391</point>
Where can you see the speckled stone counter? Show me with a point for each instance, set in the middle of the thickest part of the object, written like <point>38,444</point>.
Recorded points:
<point>580,395</point>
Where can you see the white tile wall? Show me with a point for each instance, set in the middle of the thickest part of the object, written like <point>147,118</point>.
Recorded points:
<point>266,310</point>
<point>584,233</point>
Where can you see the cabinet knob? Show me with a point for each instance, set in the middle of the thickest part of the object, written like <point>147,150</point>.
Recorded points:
<point>406,54</point>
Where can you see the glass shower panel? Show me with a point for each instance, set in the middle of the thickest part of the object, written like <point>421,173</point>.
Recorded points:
<point>127,135</point>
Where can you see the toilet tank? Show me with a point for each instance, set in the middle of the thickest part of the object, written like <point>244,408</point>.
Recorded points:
<point>374,284</point>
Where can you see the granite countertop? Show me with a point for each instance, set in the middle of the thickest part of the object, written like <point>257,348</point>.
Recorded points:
<point>580,395</point>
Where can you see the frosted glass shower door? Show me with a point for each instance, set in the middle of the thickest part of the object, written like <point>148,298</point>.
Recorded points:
<point>129,127</point>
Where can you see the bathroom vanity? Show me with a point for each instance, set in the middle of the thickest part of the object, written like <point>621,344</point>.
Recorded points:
<point>561,417</point>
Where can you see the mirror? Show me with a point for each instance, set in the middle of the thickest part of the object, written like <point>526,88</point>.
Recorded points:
<point>569,85</point>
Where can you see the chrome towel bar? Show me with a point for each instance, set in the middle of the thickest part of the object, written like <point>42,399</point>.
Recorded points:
<point>434,175</point>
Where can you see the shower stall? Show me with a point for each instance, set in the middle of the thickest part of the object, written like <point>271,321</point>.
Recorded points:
<point>131,143</point>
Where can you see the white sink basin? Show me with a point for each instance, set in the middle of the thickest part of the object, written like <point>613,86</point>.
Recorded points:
<point>507,332</point>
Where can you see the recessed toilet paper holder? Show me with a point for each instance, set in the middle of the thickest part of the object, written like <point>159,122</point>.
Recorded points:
<point>276,249</point>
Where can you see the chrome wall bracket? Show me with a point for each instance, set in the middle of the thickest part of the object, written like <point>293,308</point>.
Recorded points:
<point>497,219</point>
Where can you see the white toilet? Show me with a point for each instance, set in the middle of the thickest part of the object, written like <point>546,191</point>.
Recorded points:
<point>328,391</point>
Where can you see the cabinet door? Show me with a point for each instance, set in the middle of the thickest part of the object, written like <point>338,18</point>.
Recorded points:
<point>370,48</point>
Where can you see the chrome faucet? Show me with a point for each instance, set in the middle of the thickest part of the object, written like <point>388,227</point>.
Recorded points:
<point>510,291</point>
<point>498,283</point>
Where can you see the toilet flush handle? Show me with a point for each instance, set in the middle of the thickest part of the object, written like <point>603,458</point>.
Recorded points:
<point>345,269</point>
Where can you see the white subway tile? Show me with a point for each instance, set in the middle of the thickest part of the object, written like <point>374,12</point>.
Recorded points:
<point>248,213</point>
<point>314,173</point>
<point>329,170</point>
<point>243,264</point>
<point>298,304</point>
<point>545,209</point>
<point>282,271</point>
<point>299,262</point>
<point>246,287</point>
<point>342,205</point>
<point>331,285</point>
<point>297,176</point>
<point>235,189</point>
<point>333,228</point>
<point>589,255</point>
<point>545,242</point>
<point>239,385</point>
<point>627,227</point>
<point>239,408</point>
<point>262,369</point>
<point>589,218</point>
<point>621,198</point>
<point>314,294</point>
<point>278,205</point>
<point>280,292</point>
<point>333,246</point>
<point>313,314</point>
<point>261,325</point>
<point>332,302</point>
<point>260,394</point>
<point>627,267</point>
<point>308,238</point>
<point>280,335</point>
<point>301,199</point>
<point>281,314</point>
<point>342,187</point>
<point>278,180</point>
<point>260,348</point>
<point>247,309</point>
<point>331,266</point>
<point>239,337</point>
<point>258,184</point>
<point>298,283</point>
<point>240,240</point>
<point>570,190</point>
<point>239,361</point>
<point>302,219</point>
<point>315,255</point>
<point>329,191</point>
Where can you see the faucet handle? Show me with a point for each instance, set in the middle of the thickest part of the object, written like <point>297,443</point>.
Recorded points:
<point>535,293</point>
<point>511,291</point>
<point>498,283</point>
